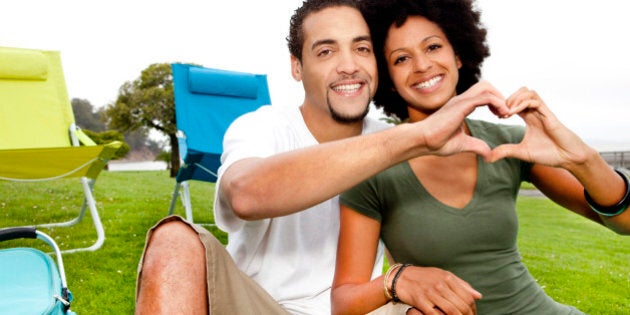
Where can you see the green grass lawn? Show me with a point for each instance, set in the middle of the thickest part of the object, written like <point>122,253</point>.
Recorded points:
<point>576,261</point>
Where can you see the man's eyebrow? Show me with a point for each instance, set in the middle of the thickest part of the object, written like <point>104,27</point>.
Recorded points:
<point>364,38</point>
<point>323,42</point>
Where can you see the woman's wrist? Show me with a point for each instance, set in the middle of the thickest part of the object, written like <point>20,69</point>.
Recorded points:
<point>617,208</point>
<point>387,281</point>
<point>399,271</point>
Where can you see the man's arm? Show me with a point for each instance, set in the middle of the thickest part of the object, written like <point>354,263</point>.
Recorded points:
<point>257,188</point>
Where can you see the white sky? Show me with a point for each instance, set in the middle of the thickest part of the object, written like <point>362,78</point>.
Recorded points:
<point>574,53</point>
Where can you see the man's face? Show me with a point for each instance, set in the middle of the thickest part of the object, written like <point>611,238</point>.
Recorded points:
<point>338,67</point>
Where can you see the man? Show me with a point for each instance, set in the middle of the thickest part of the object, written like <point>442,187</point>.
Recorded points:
<point>282,171</point>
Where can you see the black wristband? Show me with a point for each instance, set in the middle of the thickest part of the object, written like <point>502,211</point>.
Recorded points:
<point>614,210</point>
<point>398,272</point>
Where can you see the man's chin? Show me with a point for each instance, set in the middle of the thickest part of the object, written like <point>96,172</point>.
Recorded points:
<point>347,118</point>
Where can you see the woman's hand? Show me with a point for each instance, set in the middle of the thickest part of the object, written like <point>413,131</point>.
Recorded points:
<point>444,129</point>
<point>547,141</point>
<point>435,291</point>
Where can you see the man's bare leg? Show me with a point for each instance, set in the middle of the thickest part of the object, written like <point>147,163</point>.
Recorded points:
<point>173,276</point>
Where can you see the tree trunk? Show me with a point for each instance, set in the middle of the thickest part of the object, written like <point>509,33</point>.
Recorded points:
<point>175,159</point>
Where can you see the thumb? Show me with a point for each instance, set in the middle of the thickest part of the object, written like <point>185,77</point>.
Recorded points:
<point>477,146</point>
<point>504,151</point>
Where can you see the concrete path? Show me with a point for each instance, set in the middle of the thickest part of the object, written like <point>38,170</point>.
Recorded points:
<point>531,193</point>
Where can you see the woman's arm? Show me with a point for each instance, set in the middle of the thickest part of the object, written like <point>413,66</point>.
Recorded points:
<point>352,291</point>
<point>565,165</point>
<point>565,189</point>
<point>430,290</point>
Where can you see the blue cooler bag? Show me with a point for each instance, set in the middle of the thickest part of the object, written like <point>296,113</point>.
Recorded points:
<point>30,282</point>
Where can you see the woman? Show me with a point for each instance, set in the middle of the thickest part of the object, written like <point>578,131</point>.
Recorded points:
<point>451,220</point>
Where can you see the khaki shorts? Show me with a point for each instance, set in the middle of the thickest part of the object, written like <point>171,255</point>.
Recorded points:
<point>230,291</point>
<point>391,308</point>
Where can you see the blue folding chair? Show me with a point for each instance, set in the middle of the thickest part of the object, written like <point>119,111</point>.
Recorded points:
<point>206,102</point>
<point>30,282</point>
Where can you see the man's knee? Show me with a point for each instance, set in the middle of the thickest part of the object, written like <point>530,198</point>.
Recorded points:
<point>173,261</point>
<point>177,234</point>
<point>173,241</point>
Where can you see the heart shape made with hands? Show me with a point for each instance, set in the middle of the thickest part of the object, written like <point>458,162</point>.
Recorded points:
<point>545,140</point>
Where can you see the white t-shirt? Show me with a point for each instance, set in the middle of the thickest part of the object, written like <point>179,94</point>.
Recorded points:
<point>291,257</point>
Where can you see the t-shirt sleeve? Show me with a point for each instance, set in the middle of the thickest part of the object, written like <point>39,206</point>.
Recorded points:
<point>250,135</point>
<point>363,199</point>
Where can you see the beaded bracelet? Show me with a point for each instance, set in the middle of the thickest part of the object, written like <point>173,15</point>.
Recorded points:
<point>394,295</point>
<point>617,209</point>
<point>386,278</point>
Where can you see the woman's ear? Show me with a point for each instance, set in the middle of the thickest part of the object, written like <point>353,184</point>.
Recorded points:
<point>296,68</point>
<point>458,62</point>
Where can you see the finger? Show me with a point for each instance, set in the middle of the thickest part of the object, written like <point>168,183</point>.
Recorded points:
<point>477,146</point>
<point>506,151</point>
<point>414,311</point>
<point>446,301</point>
<point>427,307</point>
<point>520,94</point>
<point>522,100</point>
<point>460,294</point>
<point>475,295</point>
<point>484,94</point>
<point>484,86</point>
<point>467,294</point>
<point>498,106</point>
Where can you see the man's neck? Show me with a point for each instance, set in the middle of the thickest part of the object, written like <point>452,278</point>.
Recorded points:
<point>324,128</point>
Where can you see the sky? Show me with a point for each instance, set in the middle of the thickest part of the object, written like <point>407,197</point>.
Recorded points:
<point>573,53</point>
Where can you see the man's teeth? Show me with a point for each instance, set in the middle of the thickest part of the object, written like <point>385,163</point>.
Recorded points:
<point>347,88</point>
<point>429,83</point>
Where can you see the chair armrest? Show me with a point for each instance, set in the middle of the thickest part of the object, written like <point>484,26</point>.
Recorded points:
<point>78,137</point>
<point>83,138</point>
<point>7,234</point>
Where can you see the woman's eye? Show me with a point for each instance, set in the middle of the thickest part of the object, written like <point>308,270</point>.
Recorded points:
<point>400,59</point>
<point>433,47</point>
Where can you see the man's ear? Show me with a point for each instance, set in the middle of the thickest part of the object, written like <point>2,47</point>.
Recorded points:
<point>296,68</point>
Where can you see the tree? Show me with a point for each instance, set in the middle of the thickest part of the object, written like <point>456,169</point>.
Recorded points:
<point>85,116</point>
<point>90,122</point>
<point>107,137</point>
<point>148,102</point>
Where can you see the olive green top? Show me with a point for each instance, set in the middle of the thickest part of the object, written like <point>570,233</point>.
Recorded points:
<point>477,242</point>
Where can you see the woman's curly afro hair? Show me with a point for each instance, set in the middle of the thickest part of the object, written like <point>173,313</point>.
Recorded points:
<point>459,21</point>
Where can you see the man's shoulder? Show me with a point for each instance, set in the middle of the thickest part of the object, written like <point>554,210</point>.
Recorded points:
<point>269,113</point>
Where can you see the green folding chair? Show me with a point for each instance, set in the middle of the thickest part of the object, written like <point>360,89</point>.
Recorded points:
<point>39,139</point>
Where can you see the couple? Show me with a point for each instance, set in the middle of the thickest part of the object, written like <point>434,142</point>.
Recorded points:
<point>439,190</point>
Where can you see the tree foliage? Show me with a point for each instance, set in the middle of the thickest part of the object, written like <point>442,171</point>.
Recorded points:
<point>85,116</point>
<point>107,137</point>
<point>148,102</point>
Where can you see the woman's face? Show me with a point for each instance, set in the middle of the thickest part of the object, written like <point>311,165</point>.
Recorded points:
<point>422,65</point>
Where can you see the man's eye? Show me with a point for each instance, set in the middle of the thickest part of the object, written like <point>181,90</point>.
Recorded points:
<point>365,50</point>
<point>324,52</point>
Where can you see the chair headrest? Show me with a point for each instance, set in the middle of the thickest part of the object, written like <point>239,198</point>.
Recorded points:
<point>222,83</point>
<point>22,64</point>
